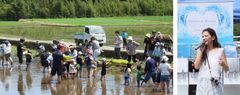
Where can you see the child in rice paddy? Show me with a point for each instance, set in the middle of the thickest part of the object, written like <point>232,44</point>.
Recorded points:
<point>127,72</point>
<point>104,65</point>
<point>80,62</point>
<point>28,59</point>
<point>139,75</point>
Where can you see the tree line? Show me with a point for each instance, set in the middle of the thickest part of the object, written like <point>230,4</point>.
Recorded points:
<point>18,9</point>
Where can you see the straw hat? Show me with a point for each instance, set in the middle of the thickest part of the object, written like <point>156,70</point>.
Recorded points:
<point>148,35</point>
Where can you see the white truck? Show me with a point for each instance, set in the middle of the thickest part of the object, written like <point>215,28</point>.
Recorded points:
<point>90,31</point>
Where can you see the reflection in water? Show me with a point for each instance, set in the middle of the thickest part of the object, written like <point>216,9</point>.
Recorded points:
<point>104,89</point>
<point>29,80</point>
<point>91,87</point>
<point>6,78</point>
<point>53,90</point>
<point>35,83</point>
<point>117,79</point>
<point>126,90</point>
<point>20,83</point>
<point>44,81</point>
<point>79,87</point>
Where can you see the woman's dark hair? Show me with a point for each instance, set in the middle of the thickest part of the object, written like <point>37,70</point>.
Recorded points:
<point>212,32</point>
<point>216,44</point>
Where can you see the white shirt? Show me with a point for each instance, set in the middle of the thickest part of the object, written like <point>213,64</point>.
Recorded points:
<point>118,42</point>
<point>49,58</point>
<point>7,48</point>
<point>164,67</point>
<point>95,44</point>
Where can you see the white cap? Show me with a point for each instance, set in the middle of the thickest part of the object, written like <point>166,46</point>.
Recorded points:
<point>79,52</point>
<point>104,59</point>
<point>130,38</point>
<point>165,58</point>
<point>157,44</point>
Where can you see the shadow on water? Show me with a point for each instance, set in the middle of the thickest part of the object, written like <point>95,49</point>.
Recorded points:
<point>34,82</point>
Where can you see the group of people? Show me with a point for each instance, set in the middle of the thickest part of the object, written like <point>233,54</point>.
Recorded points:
<point>156,66</point>
<point>67,62</point>
<point>6,53</point>
<point>155,45</point>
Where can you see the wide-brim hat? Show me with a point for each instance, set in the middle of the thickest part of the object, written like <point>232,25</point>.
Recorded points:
<point>148,35</point>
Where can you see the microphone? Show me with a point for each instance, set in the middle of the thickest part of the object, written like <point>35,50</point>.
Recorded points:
<point>203,44</point>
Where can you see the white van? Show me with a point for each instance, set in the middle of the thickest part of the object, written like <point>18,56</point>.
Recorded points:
<point>91,31</point>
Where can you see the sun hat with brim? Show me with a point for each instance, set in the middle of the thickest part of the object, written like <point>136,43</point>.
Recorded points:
<point>148,35</point>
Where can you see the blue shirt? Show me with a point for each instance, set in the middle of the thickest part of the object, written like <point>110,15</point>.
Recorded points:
<point>124,35</point>
<point>150,65</point>
<point>57,59</point>
<point>157,52</point>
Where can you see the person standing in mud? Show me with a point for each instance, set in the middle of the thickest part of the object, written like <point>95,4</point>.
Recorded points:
<point>57,64</point>
<point>150,70</point>
<point>80,62</point>
<point>131,49</point>
<point>127,76</point>
<point>40,48</point>
<point>96,49</point>
<point>91,64</point>
<point>7,52</point>
<point>20,49</point>
<point>152,43</point>
<point>124,36</point>
<point>28,59</point>
<point>104,65</point>
<point>117,45</point>
<point>146,44</point>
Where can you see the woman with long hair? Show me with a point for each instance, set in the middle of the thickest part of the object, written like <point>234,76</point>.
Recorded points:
<point>211,60</point>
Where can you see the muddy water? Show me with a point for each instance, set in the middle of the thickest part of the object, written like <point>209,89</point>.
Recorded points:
<point>34,82</point>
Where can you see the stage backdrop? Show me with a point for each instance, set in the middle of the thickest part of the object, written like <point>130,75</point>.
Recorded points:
<point>196,15</point>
